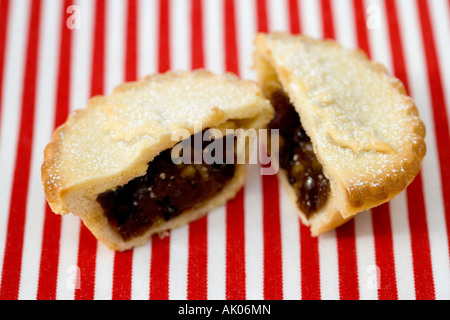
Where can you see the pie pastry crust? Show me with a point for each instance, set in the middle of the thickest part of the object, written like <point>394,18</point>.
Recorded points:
<point>365,130</point>
<point>112,141</point>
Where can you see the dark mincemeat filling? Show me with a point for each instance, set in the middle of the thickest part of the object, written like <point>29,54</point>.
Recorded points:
<point>166,190</point>
<point>297,157</point>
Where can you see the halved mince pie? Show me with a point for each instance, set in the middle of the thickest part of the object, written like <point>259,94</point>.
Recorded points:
<point>350,138</point>
<point>134,163</point>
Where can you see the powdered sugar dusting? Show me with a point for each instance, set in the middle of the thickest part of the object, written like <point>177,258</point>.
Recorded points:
<point>363,127</point>
<point>113,131</point>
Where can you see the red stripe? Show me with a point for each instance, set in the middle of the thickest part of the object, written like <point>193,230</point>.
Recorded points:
<point>294,17</point>
<point>52,224</point>
<point>261,9</point>
<point>4,10</point>
<point>159,266</point>
<point>123,261</point>
<point>309,264</point>
<point>348,270</point>
<point>123,266</point>
<point>420,246</point>
<point>131,51</point>
<point>197,34</point>
<point>360,24</point>
<point>345,235</point>
<point>164,36</point>
<point>384,247</point>
<point>440,115</point>
<point>327,19</point>
<point>16,222</point>
<point>98,57</point>
<point>231,50</point>
<point>87,246</point>
<point>49,256</point>
<point>235,249</point>
<point>273,274</point>
<point>64,70</point>
<point>198,260</point>
<point>384,252</point>
<point>235,239</point>
<point>198,230</point>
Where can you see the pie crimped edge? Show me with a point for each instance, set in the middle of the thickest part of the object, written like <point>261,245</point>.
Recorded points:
<point>113,139</point>
<point>336,90</point>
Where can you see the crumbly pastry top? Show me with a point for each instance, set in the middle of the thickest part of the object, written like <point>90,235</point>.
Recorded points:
<point>117,135</point>
<point>365,130</point>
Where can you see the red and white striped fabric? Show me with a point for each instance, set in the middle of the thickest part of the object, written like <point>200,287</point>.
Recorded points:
<point>55,54</point>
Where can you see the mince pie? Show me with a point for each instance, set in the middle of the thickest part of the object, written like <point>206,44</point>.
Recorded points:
<point>134,163</point>
<point>349,137</point>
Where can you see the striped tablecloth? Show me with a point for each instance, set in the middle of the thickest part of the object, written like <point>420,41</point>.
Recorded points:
<point>55,54</point>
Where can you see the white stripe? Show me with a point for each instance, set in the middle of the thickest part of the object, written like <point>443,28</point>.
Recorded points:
<point>254,241</point>
<point>378,35</point>
<point>80,80</point>
<point>140,289</point>
<point>365,252</point>
<point>213,35</point>
<point>216,222</point>
<point>344,22</point>
<point>178,261</point>
<point>104,265</point>
<point>290,246</point>
<point>401,241</point>
<point>440,20</point>
<point>278,19</point>
<point>68,271</point>
<point>180,35</point>
<point>115,45</point>
<point>217,254</point>
<point>147,37</point>
<point>81,64</point>
<point>180,50</point>
<point>409,26</point>
<point>14,68</point>
<point>43,124</point>
<point>150,264</point>
<point>245,33</point>
<point>310,18</point>
<point>147,49</point>
<point>328,260</point>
